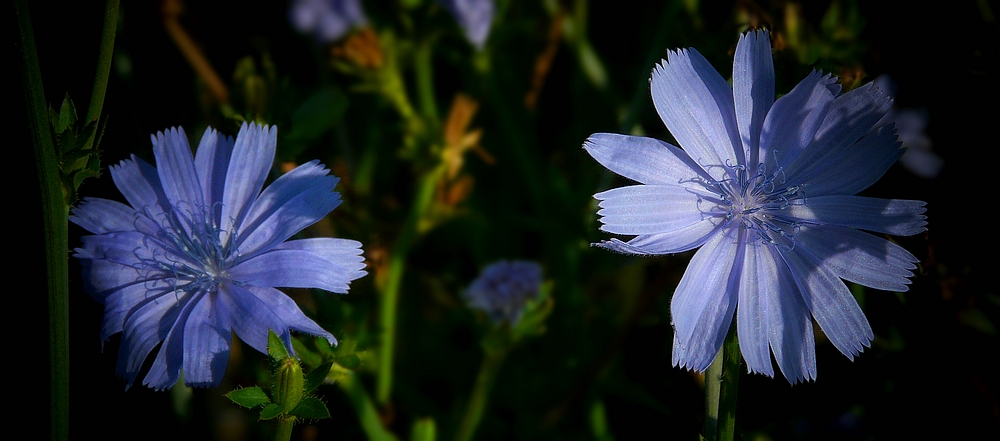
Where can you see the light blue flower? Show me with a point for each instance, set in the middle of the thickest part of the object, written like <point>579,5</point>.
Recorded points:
<point>766,188</point>
<point>326,20</point>
<point>199,250</point>
<point>503,289</point>
<point>910,126</point>
<point>474,16</point>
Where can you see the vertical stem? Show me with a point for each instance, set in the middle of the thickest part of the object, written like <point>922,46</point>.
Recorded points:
<point>424,69</point>
<point>284,431</point>
<point>365,409</point>
<point>397,264</point>
<point>730,384</point>
<point>480,395</point>
<point>721,384</point>
<point>103,65</point>
<point>713,386</point>
<point>54,216</point>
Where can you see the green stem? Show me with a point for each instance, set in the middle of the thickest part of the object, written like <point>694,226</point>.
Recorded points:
<point>284,430</point>
<point>424,69</point>
<point>397,265</point>
<point>103,65</point>
<point>55,218</point>
<point>367,414</point>
<point>480,395</point>
<point>721,384</point>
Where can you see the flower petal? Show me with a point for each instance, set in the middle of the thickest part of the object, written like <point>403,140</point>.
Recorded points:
<point>830,302</point>
<point>758,279</point>
<point>292,202</point>
<point>293,269</point>
<point>860,257</point>
<point>140,185</point>
<point>145,327</point>
<point>166,367</point>
<point>856,168</point>
<point>789,324</point>
<point>650,209</point>
<point>753,88</point>
<point>175,166</point>
<point>644,160</point>
<point>850,118</point>
<point>676,241</point>
<point>795,118</point>
<point>101,216</point>
<point>696,104</point>
<point>212,163</point>
<point>892,216</point>
<point>207,337</point>
<point>284,307</point>
<point>344,252</point>
<point>705,300</point>
<point>250,317</point>
<point>253,155</point>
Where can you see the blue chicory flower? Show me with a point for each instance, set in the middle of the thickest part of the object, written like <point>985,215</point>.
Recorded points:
<point>327,20</point>
<point>199,250</point>
<point>503,289</point>
<point>910,126</point>
<point>767,189</point>
<point>474,16</point>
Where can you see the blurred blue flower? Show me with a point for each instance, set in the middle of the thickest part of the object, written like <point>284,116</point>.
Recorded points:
<point>503,289</point>
<point>327,20</point>
<point>910,126</point>
<point>199,250</point>
<point>766,188</point>
<point>474,16</point>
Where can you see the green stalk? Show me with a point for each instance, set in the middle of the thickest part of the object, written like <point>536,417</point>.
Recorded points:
<point>55,219</point>
<point>397,265</point>
<point>480,395</point>
<point>721,384</point>
<point>424,70</point>
<point>284,431</point>
<point>103,65</point>
<point>367,414</point>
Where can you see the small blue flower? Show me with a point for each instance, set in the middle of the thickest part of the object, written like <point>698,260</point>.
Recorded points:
<point>327,20</point>
<point>503,289</point>
<point>474,16</point>
<point>910,126</point>
<point>767,189</point>
<point>199,250</point>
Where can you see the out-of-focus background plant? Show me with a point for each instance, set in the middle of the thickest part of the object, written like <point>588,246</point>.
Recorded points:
<point>458,147</point>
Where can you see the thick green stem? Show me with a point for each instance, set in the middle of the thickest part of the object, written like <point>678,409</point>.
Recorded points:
<point>284,430</point>
<point>480,395</point>
<point>721,384</point>
<point>394,278</point>
<point>54,216</point>
<point>103,65</point>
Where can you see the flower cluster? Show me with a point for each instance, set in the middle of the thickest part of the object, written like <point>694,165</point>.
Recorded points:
<point>326,20</point>
<point>199,250</point>
<point>503,289</point>
<point>766,190</point>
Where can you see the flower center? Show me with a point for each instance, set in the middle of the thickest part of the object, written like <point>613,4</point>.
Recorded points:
<point>755,200</point>
<point>184,247</point>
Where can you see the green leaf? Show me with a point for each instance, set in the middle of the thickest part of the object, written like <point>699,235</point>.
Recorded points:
<point>269,411</point>
<point>276,348</point>
<point>311,408</point>
<point>67,116</point>
<point>316,376</point>
<point>313,118</point>
<point>249,397</point>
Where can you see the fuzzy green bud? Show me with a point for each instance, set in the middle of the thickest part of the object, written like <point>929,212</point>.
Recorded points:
<point>288,384</point>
